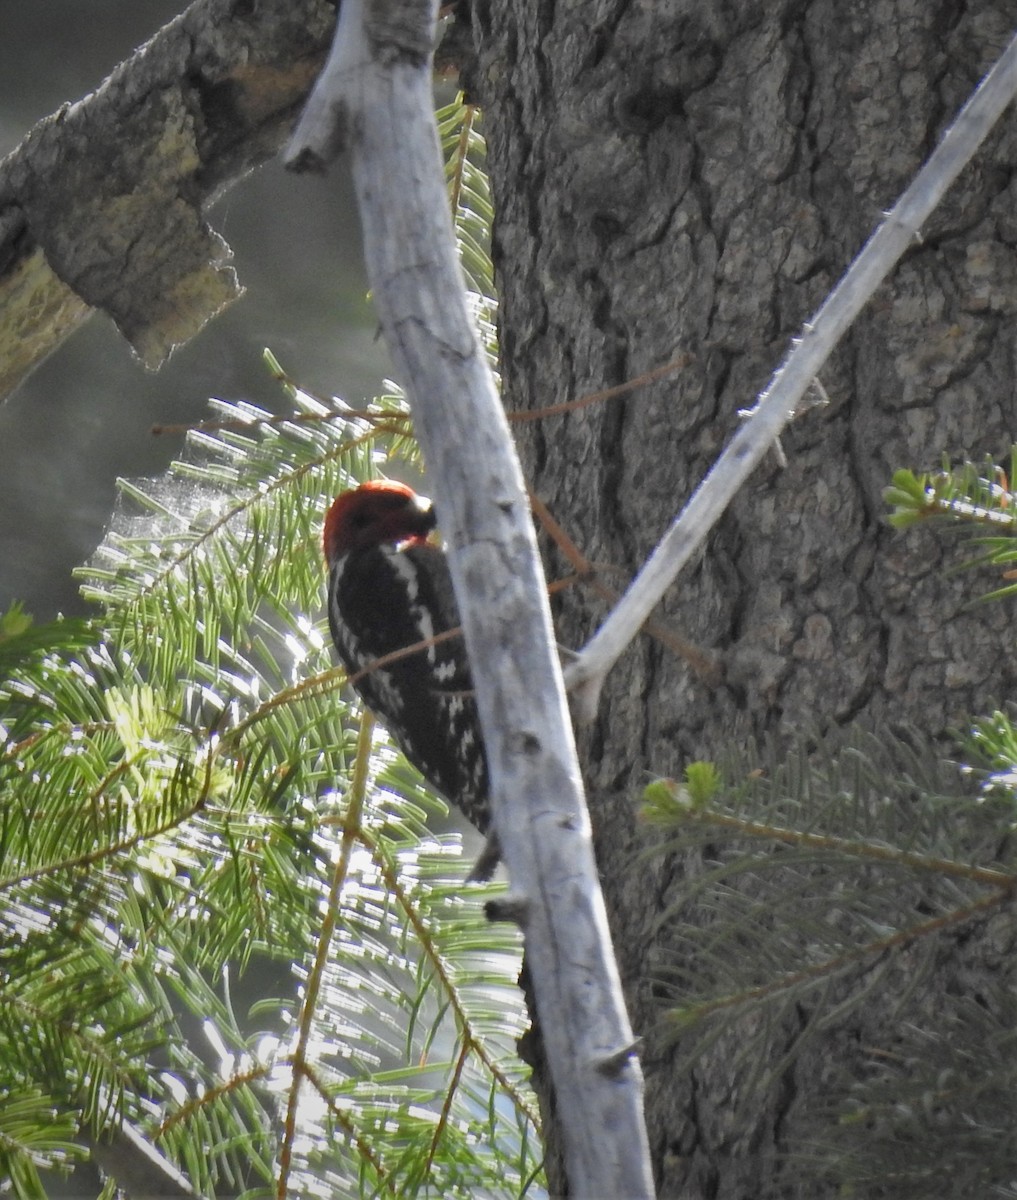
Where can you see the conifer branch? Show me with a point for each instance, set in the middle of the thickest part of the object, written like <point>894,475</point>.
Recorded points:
<point>989,876</point>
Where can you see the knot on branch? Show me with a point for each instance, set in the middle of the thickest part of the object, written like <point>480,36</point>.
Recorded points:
<point>614,1063</point>
<point>510,907</point>
<point>397,30</point>
<point>525,742</point>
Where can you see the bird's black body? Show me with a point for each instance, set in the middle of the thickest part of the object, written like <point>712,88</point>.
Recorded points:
<point>389,588</point>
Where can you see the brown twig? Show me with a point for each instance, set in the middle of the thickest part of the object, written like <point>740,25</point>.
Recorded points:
<point>351,833</point>
<point>707,668</point>
<point>902,937</point>
<point>401,420</point>
<point>611,393</point>
<point>446,1108</point>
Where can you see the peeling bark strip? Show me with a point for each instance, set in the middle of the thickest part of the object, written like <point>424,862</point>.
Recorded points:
<point>375,97</point>
<point>101,205</point>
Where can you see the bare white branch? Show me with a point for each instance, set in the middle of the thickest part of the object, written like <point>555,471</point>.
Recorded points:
<point>374,99</point>
<point>777,405</point>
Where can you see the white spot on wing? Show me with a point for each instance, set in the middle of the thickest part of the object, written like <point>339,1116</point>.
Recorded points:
<point>445,671</point>
<point>407,572</point>
<point>405,569</point>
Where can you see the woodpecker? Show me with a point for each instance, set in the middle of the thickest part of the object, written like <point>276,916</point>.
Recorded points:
<point>389,588</point>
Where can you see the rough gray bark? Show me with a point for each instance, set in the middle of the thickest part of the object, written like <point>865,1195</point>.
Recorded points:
<point>785,394</point>
<point>688,178</point>
<point>101,207</point>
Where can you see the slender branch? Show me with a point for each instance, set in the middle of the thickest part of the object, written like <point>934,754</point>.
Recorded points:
<point>989,876</point>
<point>211,1095</point>
<point>461,157</point>
<point>351,834</point>
<point>439,1130</point>
<point>374,99</point>
<point>611,393</point>
<point>396,422</point>
<point>706,668</point>
<point>778,403</point>
<point>683,1017</point>
<point>366,1148</point>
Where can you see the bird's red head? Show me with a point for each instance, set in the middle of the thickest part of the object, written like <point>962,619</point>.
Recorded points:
<point>381,511</point>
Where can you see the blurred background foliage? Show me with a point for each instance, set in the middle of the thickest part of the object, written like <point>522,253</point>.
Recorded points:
<point>85,417</point>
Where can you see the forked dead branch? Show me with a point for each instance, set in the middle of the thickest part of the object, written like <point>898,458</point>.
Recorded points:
<point>374,101</point>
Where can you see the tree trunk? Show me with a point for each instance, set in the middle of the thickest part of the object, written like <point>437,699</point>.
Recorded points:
<point>686,178</point>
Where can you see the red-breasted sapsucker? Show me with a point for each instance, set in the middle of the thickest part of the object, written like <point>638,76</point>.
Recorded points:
<point>390,588</point>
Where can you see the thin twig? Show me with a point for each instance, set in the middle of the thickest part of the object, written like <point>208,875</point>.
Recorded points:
<point>400,421</point>
<point>856,849</point>
<point>351,833</point>
<point>958,916</point>
<point>611,393</point>
<point>706,668</point>
<point>365,1147</point>
<point>439,1130</point>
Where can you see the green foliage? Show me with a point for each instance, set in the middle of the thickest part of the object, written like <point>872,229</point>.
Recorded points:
<point>665,801</point>
<point>19,637</point>
<point>974,499</point>
<point>830,888</point>
<point>14,623</point>
<point>185,816</point>
<point>993,741</point>
<point>472,211</point>
<point>816,878</point>
<point>34,1133</point>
